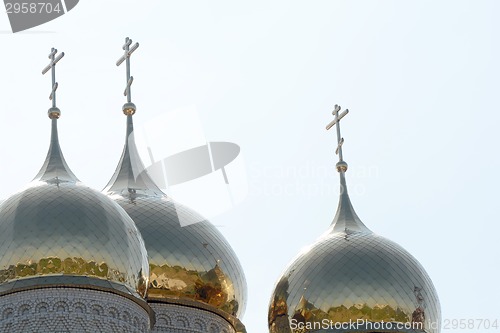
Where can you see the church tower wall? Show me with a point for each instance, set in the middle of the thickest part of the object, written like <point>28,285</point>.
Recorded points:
<point>72,310</point>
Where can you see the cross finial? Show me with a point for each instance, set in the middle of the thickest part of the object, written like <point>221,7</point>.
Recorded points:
<point>129,107</point>
<point>341,165</point>
<point>54,112</point>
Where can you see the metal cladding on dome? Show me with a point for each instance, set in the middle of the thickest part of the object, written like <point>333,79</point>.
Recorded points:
<point>346,219</point>
<point>57,231</point>
<point>131,178</point>
<point>190,260</point>
<point>351,275</point>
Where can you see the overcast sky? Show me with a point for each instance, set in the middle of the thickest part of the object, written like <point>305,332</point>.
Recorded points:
<point>421,79</point>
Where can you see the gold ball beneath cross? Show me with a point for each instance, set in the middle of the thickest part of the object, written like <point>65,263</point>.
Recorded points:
<point>341,166</point>
<point>129,109</point>
<point>54,113</point>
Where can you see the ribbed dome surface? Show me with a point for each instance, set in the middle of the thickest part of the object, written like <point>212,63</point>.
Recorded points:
<point>57,226</point>
<point>352,274</point>
<point>188,257</point>
<point>349,277</point>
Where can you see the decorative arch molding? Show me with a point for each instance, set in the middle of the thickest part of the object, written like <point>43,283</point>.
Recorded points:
<point>53,309</point>
<point>184,319</point>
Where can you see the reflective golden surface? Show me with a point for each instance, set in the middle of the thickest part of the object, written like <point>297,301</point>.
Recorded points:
<point>58,226</point>
<point>53,265</point>
<point>70,281</point>
<point>352,274</point>
<point>70,229</point>
<point>210,287</point>
<point>193,261</point>
<point>361,276</point>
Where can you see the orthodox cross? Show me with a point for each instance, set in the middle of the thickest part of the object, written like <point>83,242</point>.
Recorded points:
<point>52,65</point>
<point>336,121</point>
<point>126,57</point>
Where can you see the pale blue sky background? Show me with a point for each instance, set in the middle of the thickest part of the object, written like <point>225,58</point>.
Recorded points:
<point>421,79</point>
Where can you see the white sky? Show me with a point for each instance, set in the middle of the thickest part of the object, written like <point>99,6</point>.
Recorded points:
<point>421,79</point>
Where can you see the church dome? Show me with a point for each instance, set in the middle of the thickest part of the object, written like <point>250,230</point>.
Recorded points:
<point>351,274</point>
<point>57,230</point>
<point>354,275</point>
<point>189,259</point>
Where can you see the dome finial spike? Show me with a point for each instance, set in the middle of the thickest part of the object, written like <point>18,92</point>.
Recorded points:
<point>129,107</point>
<point>54,112</point>
<point>341,165</point>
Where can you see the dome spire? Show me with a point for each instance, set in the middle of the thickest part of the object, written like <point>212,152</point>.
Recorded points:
<point>346,220</point>
<point>130,178</point>
<point>54,168</point>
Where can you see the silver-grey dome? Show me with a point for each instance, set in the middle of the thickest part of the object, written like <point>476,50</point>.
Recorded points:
<point>188,260</point>
<point>57,226</point>
<point>352,274</point>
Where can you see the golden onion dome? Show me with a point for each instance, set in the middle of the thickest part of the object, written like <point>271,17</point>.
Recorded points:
<point>189,259</point>
<point>351,274</point>
<point>59,231</point>
<point>352,280</point>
